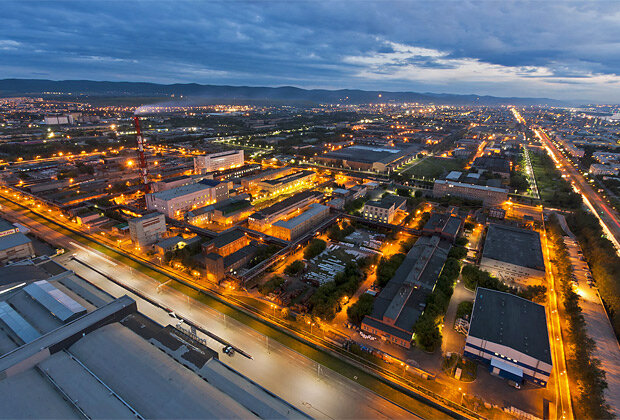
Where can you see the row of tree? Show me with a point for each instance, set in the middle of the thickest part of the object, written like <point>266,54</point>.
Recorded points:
<point>473,277</point>
<point>585,368</point>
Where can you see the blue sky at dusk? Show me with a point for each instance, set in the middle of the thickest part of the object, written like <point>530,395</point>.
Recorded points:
<point>564,50</point>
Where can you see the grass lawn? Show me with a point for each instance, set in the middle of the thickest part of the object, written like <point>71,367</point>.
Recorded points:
<point>434,167</point>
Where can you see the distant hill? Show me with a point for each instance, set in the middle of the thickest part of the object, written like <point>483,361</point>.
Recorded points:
<point>215,93</point>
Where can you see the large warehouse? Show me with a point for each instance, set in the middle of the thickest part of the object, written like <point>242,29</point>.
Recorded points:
<point>369,158</point>
<point>401,302</point>
<point>513,255</point>
<point>509,334</point>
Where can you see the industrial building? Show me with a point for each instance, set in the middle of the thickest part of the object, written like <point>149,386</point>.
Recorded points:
<point>490,196</point>
<point>218,161</point>
<point>174,243</point>
<point>14,245</point>
<point>176,201</point>
<point>225,212</point>
<point>401,302</point>
<point>385,209</point>
<point>225,253</point>
<point>447,225</point>
<point>513,255</point>
<point>286,183</point>
<point>148,229</point>
<point>106,360</point>
<point>263,219</point>
<point>509,335</point>
<point>251,181</point>
<point>381,159</point>
<point>296,226</point>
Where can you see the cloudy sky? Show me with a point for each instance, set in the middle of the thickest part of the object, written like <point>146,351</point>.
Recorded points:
<point>564,50</point>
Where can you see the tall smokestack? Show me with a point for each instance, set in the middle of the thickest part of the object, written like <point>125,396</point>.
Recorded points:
<point>142,165</point>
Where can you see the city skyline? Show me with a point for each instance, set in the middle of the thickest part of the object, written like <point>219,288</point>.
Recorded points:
<point>523,49</point>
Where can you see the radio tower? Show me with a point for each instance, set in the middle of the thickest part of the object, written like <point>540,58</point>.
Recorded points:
<point>142,165</point>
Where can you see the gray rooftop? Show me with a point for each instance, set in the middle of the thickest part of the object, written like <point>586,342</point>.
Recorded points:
<point>514,246</point>
<point>312,211</point>
<point>370,154</point>
<point>181,191</point>
<point>58,303</point>
<point>404,297</point>
<point>13,240</point>
<point>511,321</point>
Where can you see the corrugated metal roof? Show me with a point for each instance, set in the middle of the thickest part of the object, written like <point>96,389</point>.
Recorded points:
<point>17,324</point>
<point>58,303</point>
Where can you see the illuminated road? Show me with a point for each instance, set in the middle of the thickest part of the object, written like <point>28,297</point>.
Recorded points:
<point>559,380</point>
<point>313,388</point>
<point>607,217</point>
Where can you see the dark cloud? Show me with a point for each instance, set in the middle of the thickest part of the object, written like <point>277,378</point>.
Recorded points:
<point>522,48</point>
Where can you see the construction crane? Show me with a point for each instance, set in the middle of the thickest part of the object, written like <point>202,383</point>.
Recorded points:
<point>142,165</point>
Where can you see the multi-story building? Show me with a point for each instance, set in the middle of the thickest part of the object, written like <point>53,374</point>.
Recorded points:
<point>251,181</point>
<point>148,229</point>
<point>298,225</point>
<point>176,201</point>
<point>225,212</point>
<point>385,209</point>
<point>14,245</point>
<point>490,196</point>
<point>263,219</point>
<point>513,255</point>
<point>509,334</point>
<point>286,183</point>
<point>218,161</point>
<point>225,253</point>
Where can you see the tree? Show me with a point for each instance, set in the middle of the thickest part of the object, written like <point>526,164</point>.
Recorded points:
<point>360,309</point>
<point>314,248</point>
<point>294,268</point>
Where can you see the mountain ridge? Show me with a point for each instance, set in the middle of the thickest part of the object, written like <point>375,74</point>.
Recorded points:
<point>210,93</point>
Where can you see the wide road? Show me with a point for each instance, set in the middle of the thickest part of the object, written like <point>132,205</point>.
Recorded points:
<point>607,216</point>
<point>313,388</point>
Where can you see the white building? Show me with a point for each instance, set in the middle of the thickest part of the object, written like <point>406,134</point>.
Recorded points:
<point>148,229</point>
<point>176,201</point>
<point>218,161</point>
<point>509,334</point>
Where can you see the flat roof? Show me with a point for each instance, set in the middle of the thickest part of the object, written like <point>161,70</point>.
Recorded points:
<point>474,186</point>
<point>284,204</point>
<point>369,154</point>
<point>226,237</point>
<point>511,321</point>
<point>288,178</point>
<point>514,245</point>
<point>312,211</point>
<point>180,191</point>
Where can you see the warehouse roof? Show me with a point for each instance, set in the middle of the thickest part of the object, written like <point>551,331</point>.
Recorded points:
<point>13,240</point>
<point>369,154</point>
<point>514,246</point>
<point>314,209</point>
<point>511,321</point>
<point>181,191</point>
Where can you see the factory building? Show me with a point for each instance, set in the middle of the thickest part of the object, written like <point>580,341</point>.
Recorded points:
<point>509,335</point>
<point>295,227</point>
<point>490,196</point>
<point>286,183</point>
<point>263,219</point>
<point>385,209</point>
<point>148,229</point>
<point>251,181</point>
<point>513,255</point>
<point>176,202</point>
<point>14,245</point>
<point>226,253</point>
<point>70,350</point>
<point>225,212</point>
<point>447,225</point>
<point>401,302</point>
<point>218,161</point>
<point>380,159</point>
